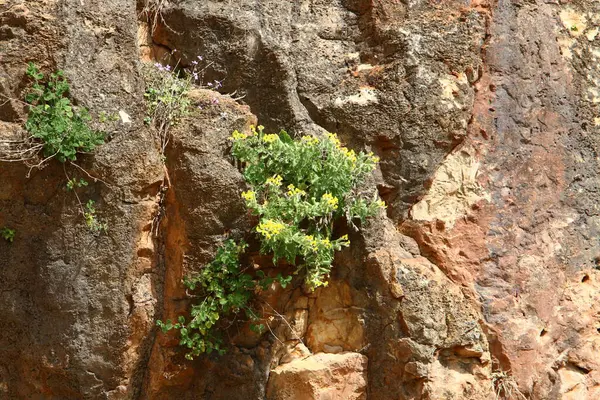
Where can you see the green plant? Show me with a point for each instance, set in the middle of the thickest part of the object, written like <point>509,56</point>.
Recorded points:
<point>91,219</point>
<point>224,289</point>
<point>166,98</point>
<point>167,90</point>
<point>7,234</point>
<point>74,183</point>
<point>62,128</point>
<point>89,209</point>
<point>58,130</point>
<point>299,188</point>
<point>105,117</point>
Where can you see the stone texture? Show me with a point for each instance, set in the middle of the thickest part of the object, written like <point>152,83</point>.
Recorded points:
<point>390,76</point>
<point>485,116</point>
<point>320,377</point>
<point>78,310</point>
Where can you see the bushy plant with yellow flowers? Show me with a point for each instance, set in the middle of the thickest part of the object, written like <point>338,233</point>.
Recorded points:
<point>299,189</point>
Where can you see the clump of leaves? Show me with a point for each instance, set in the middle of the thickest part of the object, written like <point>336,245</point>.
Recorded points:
<point>299,189</point>
<point>72,184</point>
<point>224,289</point>
<point>91,219</point>
<point>62,128</point>
<point>7,234</point>
<point>89,209</point>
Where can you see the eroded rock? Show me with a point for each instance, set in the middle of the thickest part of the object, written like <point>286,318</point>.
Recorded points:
<point>320,377</point>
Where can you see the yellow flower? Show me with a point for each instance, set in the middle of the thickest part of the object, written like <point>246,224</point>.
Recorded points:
<point>334,139</point>
<point>270,138</point>
<point>275,180</point>
<point>312,241</point>
<point>310,140</point>
<point>237,135</point>
<point>293,191</point>
<point>330,200</point>
<point>350,154</point>
<point>380,203</point>
<point>249,195</point>
<point>269,228</point>
<point>325,242</point>
<point>373,157</point>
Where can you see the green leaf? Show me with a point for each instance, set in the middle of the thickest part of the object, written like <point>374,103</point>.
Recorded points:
<point>285,138</point>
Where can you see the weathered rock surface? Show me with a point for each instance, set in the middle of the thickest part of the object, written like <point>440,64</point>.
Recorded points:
<point>320,377</point>
<point>482,276</point>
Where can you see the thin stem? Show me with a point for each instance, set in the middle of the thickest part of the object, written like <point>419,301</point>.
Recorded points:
<point>90,176</point>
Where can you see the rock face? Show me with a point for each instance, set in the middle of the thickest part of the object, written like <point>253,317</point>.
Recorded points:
<point>482,279</point>
<point>319,377</point>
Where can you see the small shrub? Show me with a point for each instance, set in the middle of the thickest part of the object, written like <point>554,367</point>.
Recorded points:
<point>91,219</point>
<point>7,234</point>
<point>59,130</point>
<point>224,288</point>
<point>166,95</point>
<point>299,188</point>
<point>62,128</point>
<point>89,209</point>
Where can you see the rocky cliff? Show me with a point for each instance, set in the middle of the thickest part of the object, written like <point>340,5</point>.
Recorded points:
<point>481,281</point>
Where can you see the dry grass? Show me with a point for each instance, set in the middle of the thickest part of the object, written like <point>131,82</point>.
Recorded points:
<point>505,387</point>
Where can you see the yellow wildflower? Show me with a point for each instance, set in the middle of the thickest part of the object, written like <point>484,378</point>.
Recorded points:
<point>310,140</point>
<point>330,200</point>
<point>350,154</point>
<point>270,138</point>
<point>334,139</point>
<point>237,135</point>
<point>293,191</point>
<point>313,242</point>
<point>249,195</point>
<point>275,180</point>
<point>373,157</point>
<point>380,203</point>
<point>269,228</point>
